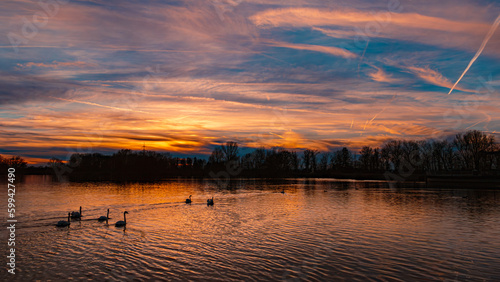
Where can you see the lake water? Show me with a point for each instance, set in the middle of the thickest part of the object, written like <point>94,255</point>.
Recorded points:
<point>317,230</point>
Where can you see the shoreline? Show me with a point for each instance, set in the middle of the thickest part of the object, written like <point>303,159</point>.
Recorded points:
<point>446,181</point>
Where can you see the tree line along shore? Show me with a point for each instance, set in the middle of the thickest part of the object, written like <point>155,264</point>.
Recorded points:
<point>471,153</point>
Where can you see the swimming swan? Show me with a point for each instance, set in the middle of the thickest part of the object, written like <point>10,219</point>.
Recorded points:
<point>64,223</point>
<point>210,202</point>
<point>103,218</point>
<point>188,201</point>
<point>122,222</point>
<point>77,214</point>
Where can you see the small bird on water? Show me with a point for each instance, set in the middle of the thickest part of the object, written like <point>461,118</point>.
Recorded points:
<point>76,214</point>
<point>64,223</point>
<point>210,202</point>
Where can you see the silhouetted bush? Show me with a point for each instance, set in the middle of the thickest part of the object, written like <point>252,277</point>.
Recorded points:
<point>472,151</point>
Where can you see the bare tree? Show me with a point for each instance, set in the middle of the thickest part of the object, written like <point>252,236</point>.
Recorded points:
<point>217,156</point>
<point>472,148</point>
<point>309,160</point>
<point>366,157</point>
<point>392,154</point>
<point>343,158</point>
<point>16,162</point>
<point>230,151</point>
<point>323,163</point>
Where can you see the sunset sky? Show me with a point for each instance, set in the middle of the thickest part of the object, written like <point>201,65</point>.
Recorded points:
<point>183,76</point>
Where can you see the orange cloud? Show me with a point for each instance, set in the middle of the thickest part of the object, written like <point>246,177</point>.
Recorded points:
<point>433,77</point>
<point>353,23</point>
<point>381,76</point>
<point>56,64</point>
<point>335,51</point>
<point>300,17</point>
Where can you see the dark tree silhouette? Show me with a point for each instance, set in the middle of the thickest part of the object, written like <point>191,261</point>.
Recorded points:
<point>342,159</point>
<point>472,148</point>
<point>217,156</point>
<point>323,162</point>
<point>16,162</point>
<point>473,151</point>
<point>230,151</point>
<point>366,158</point>
<point>309,160</point>
<point>392,154</point>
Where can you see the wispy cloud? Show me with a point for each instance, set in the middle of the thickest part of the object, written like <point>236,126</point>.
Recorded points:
<point>97,105</point>
<point>347,17</point>
<point>433,77</point>
<point>56,64</point>
<point>381,76</point>
<point>354,23</point>
<point>335,51</point>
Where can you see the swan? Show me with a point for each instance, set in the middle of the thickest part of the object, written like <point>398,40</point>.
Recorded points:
<point>77,214</point>
<point>102,218</point>
<point>188,201</point>
<point>210,202</point>
<point>64,223</point>
<point>122,222</point>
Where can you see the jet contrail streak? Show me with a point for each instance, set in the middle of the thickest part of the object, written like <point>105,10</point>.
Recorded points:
<point>362,56</point>
<point>95,104</point>
<point>486,39</point>
<point>373,118</point>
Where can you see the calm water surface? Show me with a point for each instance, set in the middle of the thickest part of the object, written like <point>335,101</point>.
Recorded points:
<point>317,230</point>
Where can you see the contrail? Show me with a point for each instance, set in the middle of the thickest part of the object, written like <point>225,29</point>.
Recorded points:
<point>362,56</point>
<point>373,118</point>
<point>486,39</point>
<point>95,104</point>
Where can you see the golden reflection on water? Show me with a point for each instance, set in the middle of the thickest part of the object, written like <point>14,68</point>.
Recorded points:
<point>316,230</point>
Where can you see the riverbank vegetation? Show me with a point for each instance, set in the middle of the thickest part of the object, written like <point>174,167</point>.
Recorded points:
<point>472,153</point>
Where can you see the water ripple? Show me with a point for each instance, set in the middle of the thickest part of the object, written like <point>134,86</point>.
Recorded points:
<point>366,233</point>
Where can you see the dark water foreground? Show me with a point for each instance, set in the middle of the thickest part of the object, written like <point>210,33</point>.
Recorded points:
<point>317,230</point>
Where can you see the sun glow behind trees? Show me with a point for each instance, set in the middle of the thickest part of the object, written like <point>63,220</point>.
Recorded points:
<point>467,152</point>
